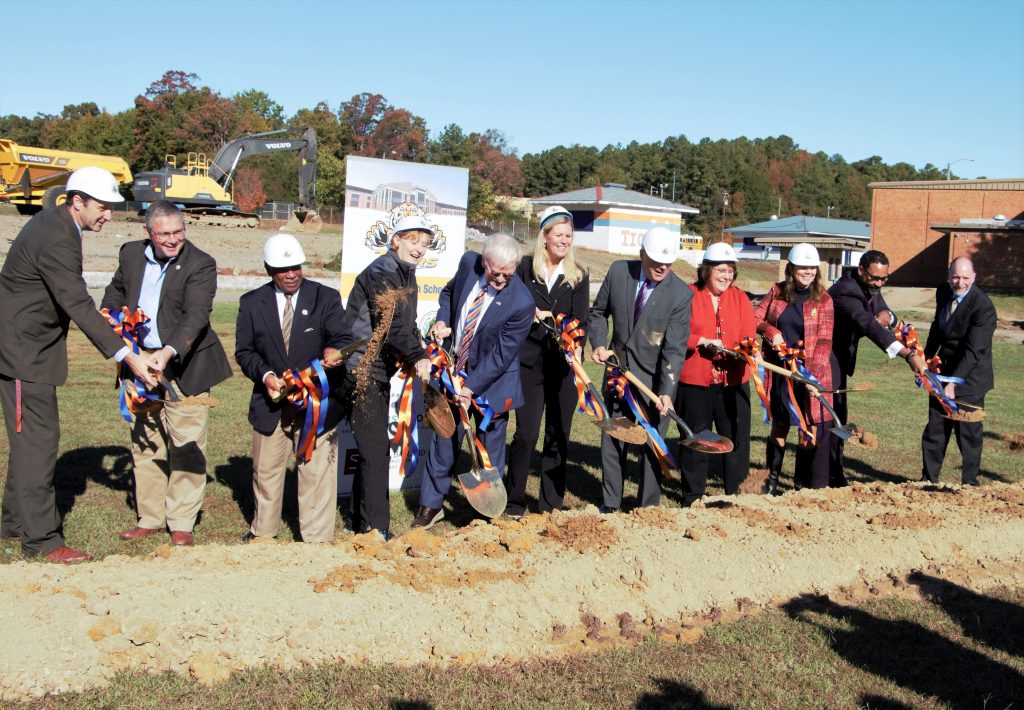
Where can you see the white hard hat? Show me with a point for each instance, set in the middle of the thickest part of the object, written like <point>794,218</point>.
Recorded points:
<point>283,250</point>
<point>661,244</point>
<point>803,254</point>
<point>720,252</point>
<point>413,223</point>
<point>95,182</point>
<point>551,213</point>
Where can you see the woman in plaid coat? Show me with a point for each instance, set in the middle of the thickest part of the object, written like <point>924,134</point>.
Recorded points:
<point>796,317</point>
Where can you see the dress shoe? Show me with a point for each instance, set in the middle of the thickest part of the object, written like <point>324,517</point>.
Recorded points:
<point>67,556</point>
<point>138,533</point>
<point>514,514</point>
<point>386,534</point>
<point>182,538</point>
<point>249,536</point>
<point>427,517</point>
<point>607,510</point>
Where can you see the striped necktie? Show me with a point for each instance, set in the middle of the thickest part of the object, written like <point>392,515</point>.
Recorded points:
<point>641,299</point>
<point>286,321</point>
<point>469,329</point>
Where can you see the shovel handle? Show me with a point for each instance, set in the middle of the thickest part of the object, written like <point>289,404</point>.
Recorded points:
<point>649,393</point>
<point>172,394</point>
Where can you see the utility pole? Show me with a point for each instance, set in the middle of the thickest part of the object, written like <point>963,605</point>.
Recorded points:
<point>673,184</point>
<point>725,206</point>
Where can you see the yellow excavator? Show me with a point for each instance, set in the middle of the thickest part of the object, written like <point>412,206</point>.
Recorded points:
<point>33,178</point>
<point>203,187</point>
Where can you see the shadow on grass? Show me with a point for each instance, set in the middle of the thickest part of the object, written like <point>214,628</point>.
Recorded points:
<point>77,467</point>
<point>993,622</point>
<point>912,656</point>
<point>673,694</point>
<point>236,475</point>
<point>410,705</point>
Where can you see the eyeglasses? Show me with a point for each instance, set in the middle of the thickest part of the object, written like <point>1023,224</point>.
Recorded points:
<point>875,279</point>
<point>493,273</point>
<point>168,235</point>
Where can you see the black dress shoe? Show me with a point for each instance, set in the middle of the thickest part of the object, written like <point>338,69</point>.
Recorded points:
<point>607,510</point>
<point>427,517</point>
<point>249,536</point>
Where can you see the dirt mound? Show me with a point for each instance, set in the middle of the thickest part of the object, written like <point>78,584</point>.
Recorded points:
<point>547,585</point>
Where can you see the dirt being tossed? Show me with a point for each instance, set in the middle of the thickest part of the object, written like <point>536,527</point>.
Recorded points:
<point>385,303</point>
<point>547,585</point>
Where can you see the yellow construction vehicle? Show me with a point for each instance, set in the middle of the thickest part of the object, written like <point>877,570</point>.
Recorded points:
<point>33,178</point>
<point>202,187</point>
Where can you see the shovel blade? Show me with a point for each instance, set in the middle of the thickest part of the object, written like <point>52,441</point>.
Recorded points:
<point>438,413</point>
<point>708,442</point>
<point>842,432</point>
<point>622,429</point>
<point>485,491</point>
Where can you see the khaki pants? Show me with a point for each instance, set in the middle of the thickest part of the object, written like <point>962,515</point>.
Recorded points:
<point>169,451</point>
<point>318,483</point>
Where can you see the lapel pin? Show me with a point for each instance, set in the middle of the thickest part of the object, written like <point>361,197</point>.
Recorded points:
<point>177,267</point>
<point>305,312</point>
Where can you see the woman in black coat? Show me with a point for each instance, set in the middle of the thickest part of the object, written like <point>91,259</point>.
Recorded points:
<point>559,286</point>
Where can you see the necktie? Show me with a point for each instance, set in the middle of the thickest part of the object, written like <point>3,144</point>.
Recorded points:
<point>950,310</point>
<point>469,329</point>
<point>286,321</point>
<point>641,298</point>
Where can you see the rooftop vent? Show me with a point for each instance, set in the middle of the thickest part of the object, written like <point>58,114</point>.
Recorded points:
<point>615,184</point>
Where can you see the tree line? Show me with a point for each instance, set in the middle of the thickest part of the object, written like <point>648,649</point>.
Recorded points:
<point>731,182</point>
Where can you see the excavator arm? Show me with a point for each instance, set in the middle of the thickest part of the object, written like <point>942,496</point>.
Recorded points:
<point>224,164</point>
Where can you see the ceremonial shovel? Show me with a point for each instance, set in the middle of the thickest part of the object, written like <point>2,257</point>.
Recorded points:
<point>861,387</point>
<point>335,357</point>
<point>619,427</point>
<point>173,398</point>
<point>707,441</point>
<point>482,487</point>
<point>438,412</point>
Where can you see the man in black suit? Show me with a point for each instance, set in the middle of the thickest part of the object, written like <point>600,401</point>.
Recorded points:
<point>961,335</point>
<point>861,311</point>
<point>41,292</point>
<point>285,325</point>
<point>650,308</point>
<point>174,283</point>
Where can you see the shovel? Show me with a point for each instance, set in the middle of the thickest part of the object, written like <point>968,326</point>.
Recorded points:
<point>335,357</point>
<point>482,487</point>
<point>706,442</point>
<point>619,427</point>
<point>838,428</point>
<point>976,414</point>
<point>173,398</point>
<point>438,412</point>
<point>860,387</point>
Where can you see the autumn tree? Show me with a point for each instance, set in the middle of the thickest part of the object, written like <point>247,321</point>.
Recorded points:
<point>247,190</point>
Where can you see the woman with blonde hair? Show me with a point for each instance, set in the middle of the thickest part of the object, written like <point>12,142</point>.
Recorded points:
<point>796,317</point>
<point>560,286</point>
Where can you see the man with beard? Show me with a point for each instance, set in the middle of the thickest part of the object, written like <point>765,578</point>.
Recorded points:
<point>860,310</point>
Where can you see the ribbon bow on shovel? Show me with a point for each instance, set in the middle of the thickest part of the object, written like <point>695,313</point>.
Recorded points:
<point>935,383</point>
<point>591,402</point>
<point>707,441</point>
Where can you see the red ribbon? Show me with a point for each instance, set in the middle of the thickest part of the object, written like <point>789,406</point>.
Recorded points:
<point>131,328</point>
<point>407,430</point>
<point>789,357</point>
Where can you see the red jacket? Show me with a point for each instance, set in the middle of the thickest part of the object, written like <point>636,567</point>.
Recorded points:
<point>819,319</point>
<point>736,316</point>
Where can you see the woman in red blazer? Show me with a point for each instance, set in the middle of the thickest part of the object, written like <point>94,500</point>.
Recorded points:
<point>713,387</point>
<point>799,310</point>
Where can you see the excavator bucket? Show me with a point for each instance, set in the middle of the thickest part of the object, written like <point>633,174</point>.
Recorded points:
<point>305,220</point>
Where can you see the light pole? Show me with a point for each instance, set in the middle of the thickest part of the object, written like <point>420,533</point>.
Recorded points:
<point>958,160</point>
<point>828,214</point>
<point>725,206</point>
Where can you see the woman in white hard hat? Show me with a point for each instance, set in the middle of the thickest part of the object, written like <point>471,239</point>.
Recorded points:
<point>799,311</point>
<point>713,386</point>
<point>560,286</point>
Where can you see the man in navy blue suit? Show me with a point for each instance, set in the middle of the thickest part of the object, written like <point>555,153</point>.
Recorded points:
<point>484,315</point>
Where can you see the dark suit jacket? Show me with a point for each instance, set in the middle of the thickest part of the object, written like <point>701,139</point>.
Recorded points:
<point>259,347</point>
<point>493,366</point>
<point>563,298</point>
<point>654,347</point>
<point>41,292</point>
<point>183,320</point>
<point>855,319</point>
<point>965,343</point>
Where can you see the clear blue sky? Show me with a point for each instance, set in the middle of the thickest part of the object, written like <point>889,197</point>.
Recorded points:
<point>910,81</point>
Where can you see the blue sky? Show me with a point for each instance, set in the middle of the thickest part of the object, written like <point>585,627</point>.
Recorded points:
<point>910,81</point>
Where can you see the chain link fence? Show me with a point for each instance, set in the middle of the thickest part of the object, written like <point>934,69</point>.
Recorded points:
<point>524,230</point>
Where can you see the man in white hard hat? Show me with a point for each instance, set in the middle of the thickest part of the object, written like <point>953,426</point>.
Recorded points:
<point>650,308</point>
<point>285,325</point>
<point>174,283</point>
<point>41,291</point>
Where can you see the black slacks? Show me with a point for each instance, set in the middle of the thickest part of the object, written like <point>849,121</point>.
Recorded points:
<point>836,459</point>
<point>30,501</point>
<point>370,507</point>
<point>935,439</point>
<point>728,408</point>
<point>548,391</point>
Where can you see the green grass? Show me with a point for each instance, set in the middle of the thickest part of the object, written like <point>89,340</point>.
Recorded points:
<point>958,649</point>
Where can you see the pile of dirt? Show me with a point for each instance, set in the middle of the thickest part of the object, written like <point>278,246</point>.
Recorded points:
<point>547,585</point>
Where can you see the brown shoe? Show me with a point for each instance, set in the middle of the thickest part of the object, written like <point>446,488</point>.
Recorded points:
<point>67,556</point>
<point>426,518</point>
<point>138,533</point>
<point>182,538</point>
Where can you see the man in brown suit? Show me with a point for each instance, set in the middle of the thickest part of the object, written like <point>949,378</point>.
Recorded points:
<point>41,292</point>
<point>174,283</point>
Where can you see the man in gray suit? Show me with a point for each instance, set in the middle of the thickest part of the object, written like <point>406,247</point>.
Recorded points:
<point>650,307</point>
<point>41,292</point>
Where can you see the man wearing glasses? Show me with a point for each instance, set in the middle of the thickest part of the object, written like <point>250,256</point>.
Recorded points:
<point>860,310</point>
<point>484,317</point>
<point>173,283</point>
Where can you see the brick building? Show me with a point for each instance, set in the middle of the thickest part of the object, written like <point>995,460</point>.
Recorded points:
<point>922,226</point>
